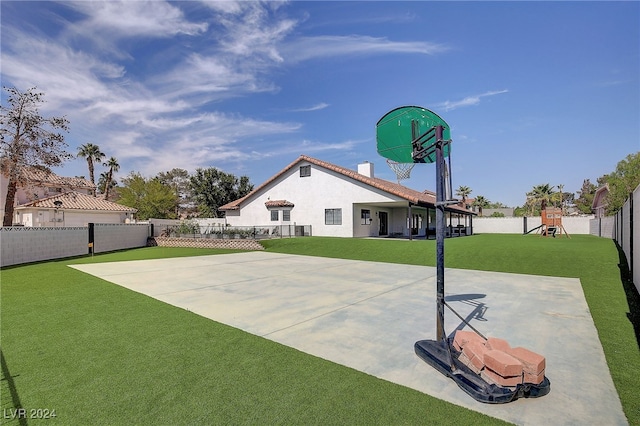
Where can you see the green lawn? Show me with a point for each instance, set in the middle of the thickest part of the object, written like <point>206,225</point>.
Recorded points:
<point>101,354</point>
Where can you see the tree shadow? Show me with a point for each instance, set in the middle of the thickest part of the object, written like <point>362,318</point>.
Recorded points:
<point>13,391</point>
<point>633,298</point>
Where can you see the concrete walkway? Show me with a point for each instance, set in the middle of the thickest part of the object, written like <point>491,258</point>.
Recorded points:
<point>368,315</point>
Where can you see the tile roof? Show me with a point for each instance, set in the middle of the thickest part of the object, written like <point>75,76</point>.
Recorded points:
<point>279,203</point>
<point>35,175</point>
<point>77,201</point>
<point>427,198</point>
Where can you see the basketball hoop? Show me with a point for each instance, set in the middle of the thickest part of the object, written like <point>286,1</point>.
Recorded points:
<point>402,170</point>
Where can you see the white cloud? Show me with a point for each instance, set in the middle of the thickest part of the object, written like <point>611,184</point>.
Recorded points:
<point>210,78</point>
<point>166,118</point>
<point>123,19</point>
<point>314,146</point>
<point>469,100</point>
<point>305,48</point>
<point>316,107</point>
<point>66,75</point>
<point>144,127</point>
<point>250,28</point>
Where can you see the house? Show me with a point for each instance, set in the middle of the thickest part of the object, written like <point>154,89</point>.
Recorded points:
<point>600,201</point>
<point>341,202</point>
<point>72,209</point>
<point>469,204</point>
<point>47,199</point>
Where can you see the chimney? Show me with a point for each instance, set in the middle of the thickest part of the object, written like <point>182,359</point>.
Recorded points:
<point>366,169</point>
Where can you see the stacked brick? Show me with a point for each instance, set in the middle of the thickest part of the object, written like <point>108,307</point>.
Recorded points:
<point>497,362</point>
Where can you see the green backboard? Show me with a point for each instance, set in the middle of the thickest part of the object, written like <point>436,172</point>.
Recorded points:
<point>397,130</point>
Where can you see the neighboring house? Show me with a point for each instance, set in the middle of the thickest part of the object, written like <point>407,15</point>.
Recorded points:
<point>600,201</point>
<point>340,202</point>
<point>506,212</point>
<point>468,204</point>
<point>72,209</point>
<point>51,200</point>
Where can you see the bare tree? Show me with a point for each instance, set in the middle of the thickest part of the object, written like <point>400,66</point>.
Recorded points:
<point>27,139</point>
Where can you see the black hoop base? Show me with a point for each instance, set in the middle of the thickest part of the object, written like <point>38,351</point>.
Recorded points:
<point>436,354</point>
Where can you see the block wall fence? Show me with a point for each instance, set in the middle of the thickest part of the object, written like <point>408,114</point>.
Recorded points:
<point>520,225</point>
<point>626,233</point>
<point>20,244</point>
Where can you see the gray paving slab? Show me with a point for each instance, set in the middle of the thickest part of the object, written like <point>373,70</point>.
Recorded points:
<point>368,315</point>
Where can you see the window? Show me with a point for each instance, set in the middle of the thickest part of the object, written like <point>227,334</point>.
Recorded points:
<point>274,215</point>
<point>286,215</point>
<point>305,171</point>
<point>333,216</point>
<point>365,217</point>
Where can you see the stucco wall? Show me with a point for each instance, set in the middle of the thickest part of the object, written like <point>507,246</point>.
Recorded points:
<point>311,195</point>
<point>67,218</point>
<point>80,218</point>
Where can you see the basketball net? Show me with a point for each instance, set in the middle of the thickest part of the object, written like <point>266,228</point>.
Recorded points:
<point>402,170</point>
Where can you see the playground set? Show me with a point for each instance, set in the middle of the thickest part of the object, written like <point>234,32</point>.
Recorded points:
<point>487,369</point>
<point>551,218</point>
<point>552,222</point>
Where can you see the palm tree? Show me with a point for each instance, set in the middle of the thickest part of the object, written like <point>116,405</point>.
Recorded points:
<point>92,153</point>
<point>113,166</point>
<point>102,182</point>
<point>561,197</point>
<point>540,194</point>
<point>481,202</point>
<point>464,192</point>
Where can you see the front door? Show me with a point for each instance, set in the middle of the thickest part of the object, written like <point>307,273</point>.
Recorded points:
<point>382,216</point>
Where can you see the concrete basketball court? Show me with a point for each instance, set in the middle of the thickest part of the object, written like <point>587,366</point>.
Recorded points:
<point>368,315</point>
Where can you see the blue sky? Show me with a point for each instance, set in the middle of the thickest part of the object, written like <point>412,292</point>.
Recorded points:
<point>534,92</point>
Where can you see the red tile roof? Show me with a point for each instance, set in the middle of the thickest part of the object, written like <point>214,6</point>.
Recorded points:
<point>77,201</point>
<point>279,203</point>
<point>426,198</point>
<point>36,175</point>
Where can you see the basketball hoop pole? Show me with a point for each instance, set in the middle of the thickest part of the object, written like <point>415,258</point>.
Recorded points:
<point>440,231</point>
<point>399,138</point>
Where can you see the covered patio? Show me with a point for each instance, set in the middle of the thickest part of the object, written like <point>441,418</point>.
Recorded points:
<point>405,219</point>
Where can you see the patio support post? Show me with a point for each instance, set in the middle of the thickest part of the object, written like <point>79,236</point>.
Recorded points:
<point>410,221</point>
<point>440,232</point>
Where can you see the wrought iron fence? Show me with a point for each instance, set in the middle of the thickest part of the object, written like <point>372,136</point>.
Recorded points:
<point>193,230</point>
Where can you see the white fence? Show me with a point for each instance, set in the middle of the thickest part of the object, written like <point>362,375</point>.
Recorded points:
<point>26,244</point>
<point>111,237</point>
<point>603,226</point>
<point>159,225</point>
<point>626,232</point>
<point>573,225</point>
